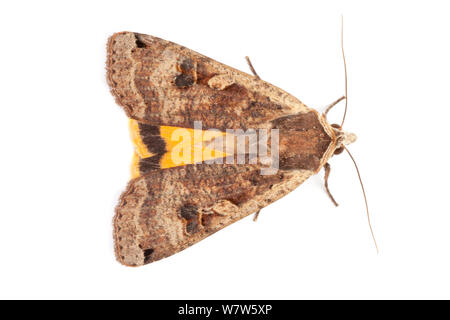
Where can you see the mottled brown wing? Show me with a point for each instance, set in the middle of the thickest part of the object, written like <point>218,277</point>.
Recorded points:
<point>161,83</point>
<point>168,210</point>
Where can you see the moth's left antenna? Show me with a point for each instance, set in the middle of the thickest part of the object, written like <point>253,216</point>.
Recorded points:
<point>345,69</point>
<point>345,73</point>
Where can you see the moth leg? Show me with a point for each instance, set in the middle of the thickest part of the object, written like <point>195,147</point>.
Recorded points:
<point>255,217</point>
<point>333,104</point>
<point>327,173</point>
<point>251,68</point>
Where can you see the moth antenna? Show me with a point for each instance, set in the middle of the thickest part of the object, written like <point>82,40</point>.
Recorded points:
<point>365,198</point>
<point>345,69</point>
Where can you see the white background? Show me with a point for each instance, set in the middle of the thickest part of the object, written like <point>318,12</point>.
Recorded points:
<point>65,151</point>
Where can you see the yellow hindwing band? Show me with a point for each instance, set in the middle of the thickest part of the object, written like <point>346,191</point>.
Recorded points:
<point>182,146</point>
<point>188,146</point>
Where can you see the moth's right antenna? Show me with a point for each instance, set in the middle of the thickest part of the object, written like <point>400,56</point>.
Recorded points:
<point>345,69</point>
<point>365,198</point>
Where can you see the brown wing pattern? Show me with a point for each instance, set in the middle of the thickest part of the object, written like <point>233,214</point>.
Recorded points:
<point>162,83</point>
<point>168,210</point>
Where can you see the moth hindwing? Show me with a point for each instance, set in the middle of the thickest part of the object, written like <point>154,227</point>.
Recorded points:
<point>170,204</point>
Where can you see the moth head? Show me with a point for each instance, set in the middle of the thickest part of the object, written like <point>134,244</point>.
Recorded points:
<point>348,137</point>
<point>343,138</point>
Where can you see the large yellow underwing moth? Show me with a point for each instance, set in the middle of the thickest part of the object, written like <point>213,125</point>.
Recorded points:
<point>187,181</point>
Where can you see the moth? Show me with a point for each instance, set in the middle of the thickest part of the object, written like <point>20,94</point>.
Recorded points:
<point>170,205</point>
